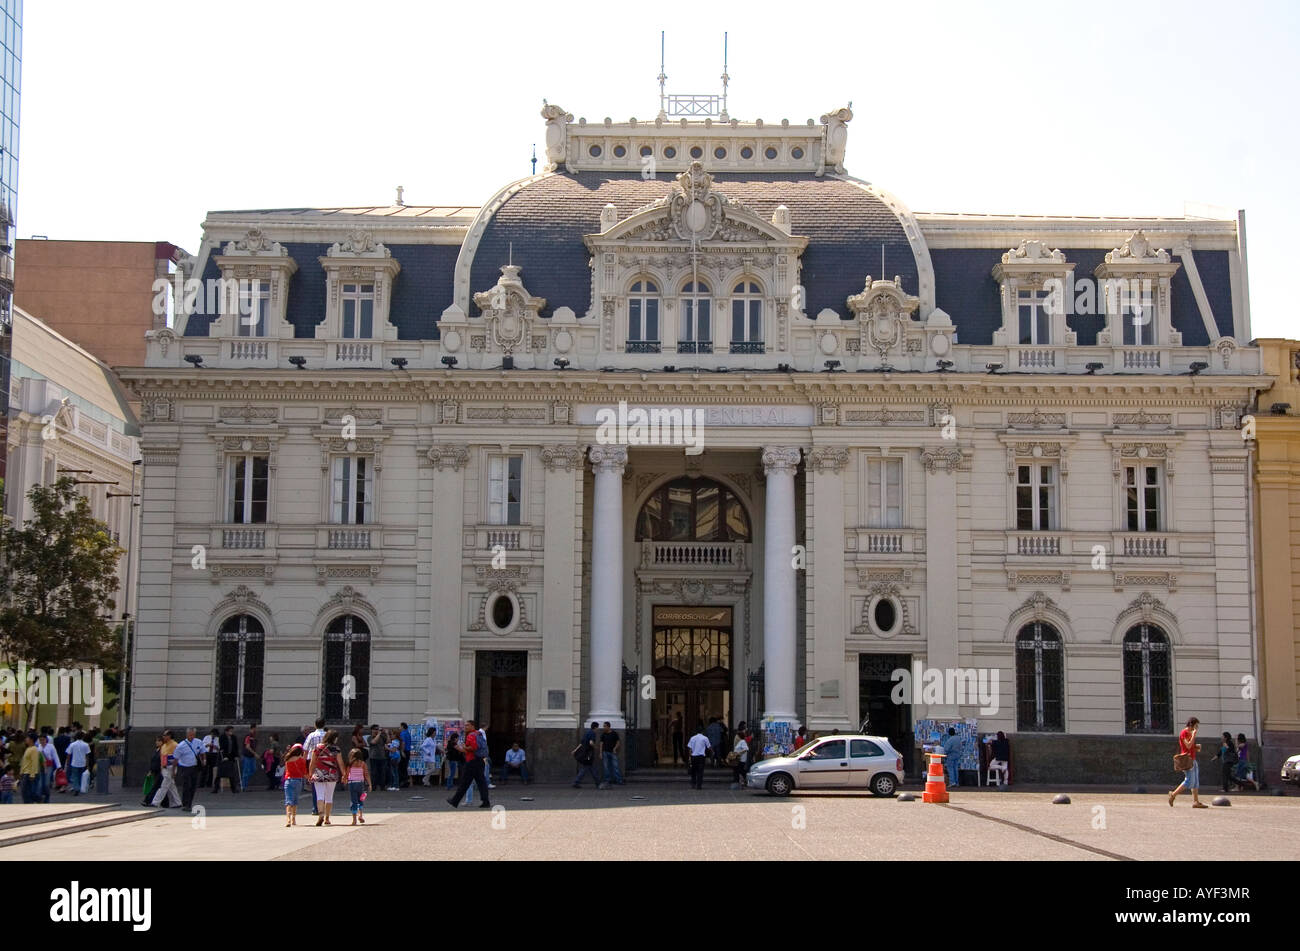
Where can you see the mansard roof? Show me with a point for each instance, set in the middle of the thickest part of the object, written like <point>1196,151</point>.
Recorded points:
<point>541,226</point>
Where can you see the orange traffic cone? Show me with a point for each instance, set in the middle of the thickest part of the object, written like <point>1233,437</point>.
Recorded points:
<point>936,785</point>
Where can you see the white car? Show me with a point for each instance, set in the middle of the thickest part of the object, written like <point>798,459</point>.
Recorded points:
<point>839,761</point>
<point>1291,770</point>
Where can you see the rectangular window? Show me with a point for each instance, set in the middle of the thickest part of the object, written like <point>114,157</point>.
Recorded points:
<point>1138,313</point>
<point>1142,491</point>
<point>1035,497</point>
<point>696,324</point>
<point>1035,318</point>
<point>358,305</point>
<point>352,500</point>
<point>505,489</point>
<point>254,308</point>
<point>746,321</point>
<point>885,493</point>
<point>643,319</point>
<point>247,482</point>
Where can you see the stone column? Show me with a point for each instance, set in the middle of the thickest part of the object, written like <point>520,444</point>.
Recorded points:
<point>445,621</point>
<point>561,591</point>
<point>942,650</point>
<point>779,465</point>
<point>827,624</point>
<point>608,463</point>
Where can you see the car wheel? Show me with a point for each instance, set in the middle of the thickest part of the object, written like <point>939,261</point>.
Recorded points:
<point>884,784</point>
<point>780,785</point>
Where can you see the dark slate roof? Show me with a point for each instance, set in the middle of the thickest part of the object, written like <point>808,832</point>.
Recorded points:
<point>421,290</point>
<point>966,291</point>
<point>542,226</point>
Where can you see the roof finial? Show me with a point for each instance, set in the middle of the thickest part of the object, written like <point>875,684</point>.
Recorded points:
<point>662,78</point>
<point>534,158</point>
<point>725,79</point>
<point>882,260</point>
<point>400,189</point>
<point>510,255</point>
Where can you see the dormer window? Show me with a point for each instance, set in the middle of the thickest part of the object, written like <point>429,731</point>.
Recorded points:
<point>359,273</point>
<point>1035,281</point>
<point>1035,318</point>
<point>1137,304</point>
<point>358,311</point>
<point>254,308</point>
<point>1135,278</point>
<point>747,318</point>
<point>643,318</point>
<point>696,332</point>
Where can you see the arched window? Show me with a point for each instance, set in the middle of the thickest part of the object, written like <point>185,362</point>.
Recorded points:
<point>693,510</point>
<point>1146,681</point>
<point>1039,684</point>
<point>747,318</point>
<point>346,691</point>
<point>643,317</point>
<point>696,332</point>
<point>241,649</point>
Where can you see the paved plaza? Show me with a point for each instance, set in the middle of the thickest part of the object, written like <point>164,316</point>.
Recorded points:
<point>665,822</point>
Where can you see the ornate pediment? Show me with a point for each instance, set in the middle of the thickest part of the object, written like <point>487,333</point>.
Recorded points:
<point>883,312</point>
<point>256,241</point>
<point>359,243</point>
<point>510,313</point>
<point>1137,250</point>
<point>694,212</point>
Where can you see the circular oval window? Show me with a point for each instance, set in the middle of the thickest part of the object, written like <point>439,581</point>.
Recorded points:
<point>670,152</point>
<point>796,152</point>
<point>770,153</point>
<point>719,153</point>
<point>619,151</point>
<point>696,151</point>
<point>646,150</point>
<point>747,153</point>
<point>886,616</point>
<point>594,151</point>
<point>502,612</point>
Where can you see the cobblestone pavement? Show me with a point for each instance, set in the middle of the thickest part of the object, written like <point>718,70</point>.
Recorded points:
<point>674,822</point>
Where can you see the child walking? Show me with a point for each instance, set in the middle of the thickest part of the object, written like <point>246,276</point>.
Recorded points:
<point>295,773</point>
<point>358,783</point>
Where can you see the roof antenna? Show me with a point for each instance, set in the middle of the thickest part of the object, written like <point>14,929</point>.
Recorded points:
<point>725,79</point>
<point>662,77</point>
<point>534,158</point>
<point>400,189</point>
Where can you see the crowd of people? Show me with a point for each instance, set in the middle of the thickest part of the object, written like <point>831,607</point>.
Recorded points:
<point>39,762</point>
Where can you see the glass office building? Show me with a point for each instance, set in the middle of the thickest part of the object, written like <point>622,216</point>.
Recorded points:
<point>11,63</point>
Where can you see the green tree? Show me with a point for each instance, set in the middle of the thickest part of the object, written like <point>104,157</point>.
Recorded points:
<point>58,575</point>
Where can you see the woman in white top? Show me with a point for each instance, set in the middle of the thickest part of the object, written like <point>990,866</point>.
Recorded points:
<point>740,749</point>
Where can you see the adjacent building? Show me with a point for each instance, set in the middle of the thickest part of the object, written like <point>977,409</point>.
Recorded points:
<point>1276,425</point>
<point>696,423</point>
<point>69,417</point>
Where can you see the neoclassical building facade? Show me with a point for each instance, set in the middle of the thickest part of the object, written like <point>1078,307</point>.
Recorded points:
<point>695,422</point>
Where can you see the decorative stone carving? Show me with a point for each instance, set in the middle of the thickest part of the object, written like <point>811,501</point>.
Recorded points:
<point>511,314</point>
<point>1137,250</point>
<point>448,457</point>
<point>780,459</point>
<point>947,459</point>
<point>557,134</point>
<point>562,458</point>
<point>608,458</point>
<point>256,241</point>
<point>837,135</point>
<point>1036,420</point>
<point>883,310</point>
<point>828,459</point>
<point>1142,419</point>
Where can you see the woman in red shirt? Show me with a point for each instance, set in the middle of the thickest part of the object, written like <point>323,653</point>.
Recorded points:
<point>295,771</point>
<point>1191,776</point>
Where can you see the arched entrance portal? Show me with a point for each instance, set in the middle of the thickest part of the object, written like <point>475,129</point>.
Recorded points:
<point>692,530</point>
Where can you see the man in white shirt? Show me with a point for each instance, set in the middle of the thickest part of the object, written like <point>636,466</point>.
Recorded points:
<point>429,752</point>
<point>313,740</point>
<point>211,756</point>
<point>187,753</point>
<point>52,765</point>
<point>698,746</point>
<point>515,758</point>
<point>78,754</point>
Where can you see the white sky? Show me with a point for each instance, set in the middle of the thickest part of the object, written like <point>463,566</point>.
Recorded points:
<point>139,117</point>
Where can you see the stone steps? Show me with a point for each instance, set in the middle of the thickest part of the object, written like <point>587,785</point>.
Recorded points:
<point>49,826</point>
